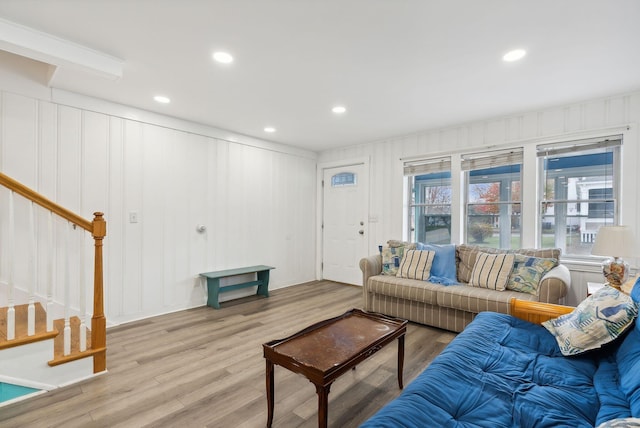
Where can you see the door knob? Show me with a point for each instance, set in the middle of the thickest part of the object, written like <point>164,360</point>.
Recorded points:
<point>361,232</point>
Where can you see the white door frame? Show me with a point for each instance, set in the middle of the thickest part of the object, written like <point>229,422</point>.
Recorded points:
<point>320,202</point>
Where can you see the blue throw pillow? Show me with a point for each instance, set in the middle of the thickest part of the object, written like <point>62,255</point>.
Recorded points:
<point>443,269</point>
<point>635,291</point>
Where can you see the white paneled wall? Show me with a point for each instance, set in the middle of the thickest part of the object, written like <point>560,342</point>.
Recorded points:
<point>606,116</point>
<point>257,203</point>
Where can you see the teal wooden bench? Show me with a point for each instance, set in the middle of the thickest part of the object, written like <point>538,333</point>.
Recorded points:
<point>214,288</point>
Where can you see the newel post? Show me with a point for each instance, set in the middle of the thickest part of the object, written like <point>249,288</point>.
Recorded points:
<point>98,321</point>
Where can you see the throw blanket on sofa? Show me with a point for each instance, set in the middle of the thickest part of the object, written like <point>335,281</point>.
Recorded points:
<point>499,372</point>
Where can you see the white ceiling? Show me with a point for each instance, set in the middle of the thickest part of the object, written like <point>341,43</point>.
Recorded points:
<point>399,66</point>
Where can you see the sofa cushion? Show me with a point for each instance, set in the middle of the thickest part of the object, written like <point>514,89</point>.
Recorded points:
<point>613,403</point>
<point>416,264</point>
<point>543,253</point>
<point>443,269</point>
<point>392,255</point>
<point>408,289</point>
<point>627,358</point>
<point>499,372</point>
<point>473,299</point>
<point>492,271</point>
<point>527,273</point>
<point>466,256</point>
<point>466,259</point>
<point>598,320</point>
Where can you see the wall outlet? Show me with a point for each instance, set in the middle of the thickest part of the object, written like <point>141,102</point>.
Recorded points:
<point>133,216</point>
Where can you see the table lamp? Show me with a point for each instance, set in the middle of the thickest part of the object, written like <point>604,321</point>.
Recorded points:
<point>616,242</point>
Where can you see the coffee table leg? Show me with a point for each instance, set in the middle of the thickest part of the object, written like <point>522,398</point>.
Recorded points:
<point>269,393</point>
<point>400,359</point>
<point>323,405</point>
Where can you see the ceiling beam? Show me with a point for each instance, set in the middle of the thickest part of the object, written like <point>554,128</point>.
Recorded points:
<point>43,47</point>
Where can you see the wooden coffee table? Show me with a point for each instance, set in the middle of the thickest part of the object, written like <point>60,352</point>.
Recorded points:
<point>326,350</point>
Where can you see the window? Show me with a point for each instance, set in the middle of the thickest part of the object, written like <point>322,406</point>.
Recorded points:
<point>493,200</point>
<point>429,184</point>
<point>344,179</point>
<point>578,192</point>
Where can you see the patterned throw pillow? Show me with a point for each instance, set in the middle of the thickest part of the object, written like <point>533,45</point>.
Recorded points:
<point>621,423</point>
<point>598,320</point>
<point>392,256</point>
<point>527,273</point>
<point>416,264</point>
<point>492,271</point>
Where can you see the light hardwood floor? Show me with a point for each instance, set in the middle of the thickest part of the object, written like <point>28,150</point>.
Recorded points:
<point>204,368</point>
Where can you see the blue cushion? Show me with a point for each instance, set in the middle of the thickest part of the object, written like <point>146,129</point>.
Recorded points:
<point>499,372</point>
<point>613,403</point>
<point>635,291</point>
<point>628,362</point>
<point>443,269</point>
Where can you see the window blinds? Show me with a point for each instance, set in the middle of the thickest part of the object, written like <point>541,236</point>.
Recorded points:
<point>484,160</point>
<point>555,149</point>
<point>427,166</point>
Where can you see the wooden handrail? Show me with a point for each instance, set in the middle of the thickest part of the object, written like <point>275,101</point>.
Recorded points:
<point>37,198</point>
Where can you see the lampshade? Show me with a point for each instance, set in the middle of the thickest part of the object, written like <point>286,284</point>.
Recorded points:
<point>616,242</point>
<point>613,241</point>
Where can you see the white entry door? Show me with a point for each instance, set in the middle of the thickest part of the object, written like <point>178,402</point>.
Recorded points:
<point>345,222</point>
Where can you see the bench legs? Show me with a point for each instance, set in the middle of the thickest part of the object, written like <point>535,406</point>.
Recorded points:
<point>213,288</point>
<point>263,278</point>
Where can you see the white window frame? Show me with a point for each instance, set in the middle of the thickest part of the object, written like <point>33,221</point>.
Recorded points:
<point>486,160</point>
<point>628,178</point>
<point>418,167</point>
<point>587,236</point>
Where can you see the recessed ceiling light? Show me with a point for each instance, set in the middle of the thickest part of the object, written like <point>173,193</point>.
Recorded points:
<point>339,109</point>
<point>162,99</point>
<point>223,57</point>
<point>514,55</point>
<point>269,129</point>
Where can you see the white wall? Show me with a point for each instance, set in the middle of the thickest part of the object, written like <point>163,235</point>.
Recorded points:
<point>610,115</point>
<point>257,199</point>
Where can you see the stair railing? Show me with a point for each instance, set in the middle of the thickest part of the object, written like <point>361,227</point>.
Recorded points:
<point>98,230</point>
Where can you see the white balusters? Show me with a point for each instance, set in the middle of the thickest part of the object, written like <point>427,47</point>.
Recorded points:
<point>45,261</point>
<point>31,308</point>
<point>67,336</point>
<point>67,291</point>
<point>11,311</point>
<point>83,294</point>
<point>50,256</point>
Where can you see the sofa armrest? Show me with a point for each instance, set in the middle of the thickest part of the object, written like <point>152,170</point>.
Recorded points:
<point>554,285</point>
<point>370,266</point>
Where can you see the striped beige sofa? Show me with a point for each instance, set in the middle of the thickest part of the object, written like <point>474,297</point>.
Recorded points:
<point>452,307</point>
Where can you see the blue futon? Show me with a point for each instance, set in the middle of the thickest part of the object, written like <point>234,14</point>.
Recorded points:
<point>502,371</point>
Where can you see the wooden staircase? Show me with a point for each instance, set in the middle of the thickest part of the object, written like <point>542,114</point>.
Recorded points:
<point>45,259</point>
<point>41,333</point>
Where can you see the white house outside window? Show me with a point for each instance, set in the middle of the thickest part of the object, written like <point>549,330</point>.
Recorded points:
<point>493,198</point>
<point>429,187</point>
<point>579,192</point>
